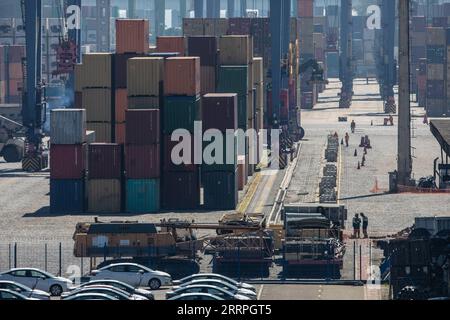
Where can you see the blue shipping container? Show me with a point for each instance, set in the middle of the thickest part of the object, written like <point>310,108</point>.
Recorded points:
<point>143,195</point>
<point>67,196</point>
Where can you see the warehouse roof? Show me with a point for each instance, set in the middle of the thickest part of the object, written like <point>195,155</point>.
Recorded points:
<point>441,131</point>
<point>99,228</point>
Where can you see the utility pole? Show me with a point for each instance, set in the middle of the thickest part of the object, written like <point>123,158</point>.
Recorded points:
<point>404,161</point>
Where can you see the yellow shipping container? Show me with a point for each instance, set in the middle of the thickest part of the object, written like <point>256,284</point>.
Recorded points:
<point>144,76</point>
<point>97,103</point>
<point>236,50</point>
<point>96,71</point>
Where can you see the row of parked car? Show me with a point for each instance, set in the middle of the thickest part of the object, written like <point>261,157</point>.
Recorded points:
<point>120,281</point>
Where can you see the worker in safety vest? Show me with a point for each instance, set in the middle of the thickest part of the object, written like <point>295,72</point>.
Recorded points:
<point>365,224</point>
<point>356,226</point>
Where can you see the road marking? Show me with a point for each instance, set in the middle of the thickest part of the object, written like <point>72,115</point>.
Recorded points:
<point>265,194</point>
<point>260,292</point>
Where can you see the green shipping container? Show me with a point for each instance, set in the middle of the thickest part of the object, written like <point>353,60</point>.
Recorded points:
<point>143,196</point>
<point>229,150</point>
<point>220,190</point>
<point>233,79</point>
<point>181,113</point>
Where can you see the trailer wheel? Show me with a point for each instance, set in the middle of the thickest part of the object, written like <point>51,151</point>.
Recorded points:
<point>12,154</point>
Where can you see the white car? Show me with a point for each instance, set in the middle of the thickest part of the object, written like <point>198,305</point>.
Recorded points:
<point>198,276</point>
<point>38,279</point>
<point>133,274</point>
<point>12,295</point>
<point>219,284</point>
<point>24,290</point>
<point>110,291</point>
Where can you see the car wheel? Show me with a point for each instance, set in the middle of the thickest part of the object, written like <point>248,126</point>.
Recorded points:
<point>154,284</point>
<point>56,290</point>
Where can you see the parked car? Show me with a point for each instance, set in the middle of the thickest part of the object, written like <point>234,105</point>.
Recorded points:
<point>219,284</point>
<point>134,274</point>
<point>196,296</point>
<point>198,276</point>
<point>89,296</point>
<point>13,295</point>
<point>35,278</point>
<point>24,290</point>
<point>200,288</point>
<point>110,291</point>
<point>120,285</point>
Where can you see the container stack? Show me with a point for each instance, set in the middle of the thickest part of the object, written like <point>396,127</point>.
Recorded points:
<point>220,178</point>
<point>236,76</point>
<point>171,45</point>
<point>11,77</point>
<point>436,61</point>
<point>418,51</point>
<point>182,107</point>
<point>306,45</point>
<point>68,160</point>
<point>205,47</point>
<point>258,83</point>
<point>105,178</point>
<point>142,161</point>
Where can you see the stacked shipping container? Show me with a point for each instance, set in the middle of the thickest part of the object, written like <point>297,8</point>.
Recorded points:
<point>305,34</point>
<point>11,78</point>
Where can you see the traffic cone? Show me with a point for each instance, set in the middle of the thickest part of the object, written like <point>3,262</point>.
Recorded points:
<point>342,141</point>
<point>375,188</point>
<point>371,122</point>
<point>356,153</point>
<point>425,119</point>
<point>359,166</point>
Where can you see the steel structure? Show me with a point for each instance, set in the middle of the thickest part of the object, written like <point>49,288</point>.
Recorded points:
<point>213,9</point>
<point>346,62</point>
<point>103,25</point>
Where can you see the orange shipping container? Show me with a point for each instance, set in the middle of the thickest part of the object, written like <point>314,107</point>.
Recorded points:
<point>305,8</point>
<point>132,36</point>
<point>15,87</point>
<point>120,133</point>
<point>171,44</point>
<point>182,76</point>
<point>15,71</point>
<point>121,104</point>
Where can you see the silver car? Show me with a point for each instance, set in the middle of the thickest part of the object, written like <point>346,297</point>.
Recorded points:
<point>196,297</point>
<point>13,295</point>
<point>24,290</point>
<point>90,297</point>
<point>216,276</point>
<point>220,284</point>
<point>201,288</point>
<point>119,285</point>
<point>110,291</point>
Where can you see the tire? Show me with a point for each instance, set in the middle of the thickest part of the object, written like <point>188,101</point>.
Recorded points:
<point>12,154</point>
<point>154,284</point>
<point>56,290</point>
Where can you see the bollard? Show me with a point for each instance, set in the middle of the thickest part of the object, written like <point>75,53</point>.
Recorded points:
<point>354,260</point>
<point>359,166</point>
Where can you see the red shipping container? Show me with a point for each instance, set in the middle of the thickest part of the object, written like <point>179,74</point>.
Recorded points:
<point>119,136</point>
<point>171,44</point>
<point>105,161</point>
<point>142,126</point>
<point>67,161</point>
<point>16,53</point>
<point>305,8</point>
<point>121,104</point>
<point>168,164</point>
<point>219,111</point>
<point>142,162</point>
<point>182,76</point>
<point>132,36</point>
<point>181,190</point>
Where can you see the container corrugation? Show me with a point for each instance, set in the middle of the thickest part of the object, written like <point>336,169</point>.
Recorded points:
<point>258,70</point>
<point>142,161</point>
<point>208,79</point>
<point>436,89</point>
<point>78,97</point>
<point>67,161</point>
<point>220,111</point>
<point>119,133</point>
<point>171,44</point>
<point>242,175</point>
<point>143,126</point>
<point>260,95</point>
<point>418,38</point>
<point>145,76</point>
<point>181,190</point>
<point>187,162</point>
<point>205,48</point>
<point>120,68</point>
<point>436,36</point>
<point>225,160</point>
<point>436,107</point>
<point>104,195</point>
<point>181,113</point>
<point>233,79</point>
<point>103,131</point>
<point>67,196</point>
<point>145,102</point>
<point>132,36</point>
<point>193,27</point>
<point>105,161</point>
<point>182,76</point>
<point>305,8</point>
<point>220,190</point>
<point>68,126</point>
<point>435,71</point>
<point>235,50</point>
<point>96,71</point>
<point>97,103</point>
<point>121,105</point>
<point>143,195</point>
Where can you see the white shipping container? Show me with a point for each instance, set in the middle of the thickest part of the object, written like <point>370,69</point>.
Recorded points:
<point>67,126</point>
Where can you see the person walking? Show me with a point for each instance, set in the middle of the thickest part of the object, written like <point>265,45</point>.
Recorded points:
<point>356,227</point>
<point>347,139</point>
<point>365,224</point>
<point>353,126</point>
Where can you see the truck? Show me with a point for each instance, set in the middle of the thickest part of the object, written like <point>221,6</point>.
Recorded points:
<point>12,141</point>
